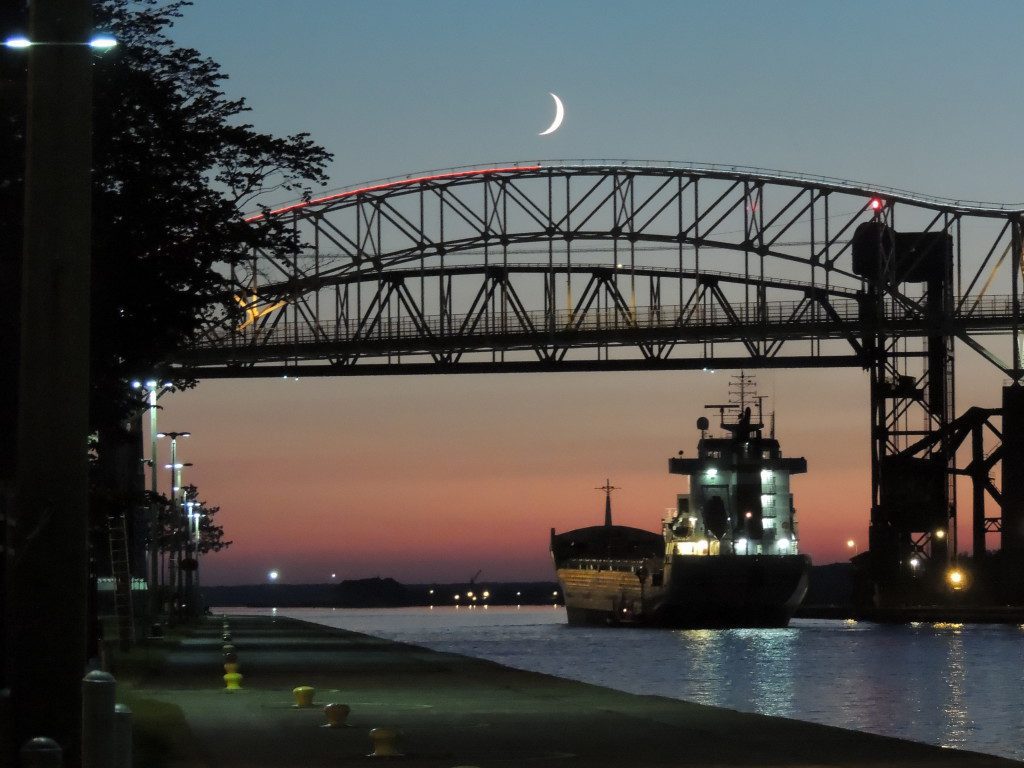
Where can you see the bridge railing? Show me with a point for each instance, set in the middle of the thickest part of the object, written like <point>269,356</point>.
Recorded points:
<point>844,314</point>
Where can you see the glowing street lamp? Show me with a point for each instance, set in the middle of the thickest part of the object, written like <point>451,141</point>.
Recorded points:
<point>153,390</point>
<point>175,486</point>
<point>850,543</point>
<point>97,43</point>
<point>956,579</point>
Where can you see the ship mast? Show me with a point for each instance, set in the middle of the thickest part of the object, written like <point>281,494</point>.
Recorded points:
<point>607,488</point>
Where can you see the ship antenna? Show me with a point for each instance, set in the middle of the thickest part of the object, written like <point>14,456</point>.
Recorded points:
<point>607,488</point>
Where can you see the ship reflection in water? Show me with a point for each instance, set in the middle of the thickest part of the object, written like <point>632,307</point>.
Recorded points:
<point>945,684</point>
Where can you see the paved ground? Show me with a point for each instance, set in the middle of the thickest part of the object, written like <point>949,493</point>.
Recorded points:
<point>451,710</point>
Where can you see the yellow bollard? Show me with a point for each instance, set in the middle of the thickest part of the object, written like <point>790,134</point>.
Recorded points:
<point>385,742</point>
<point>336,715</point>
<point>303,696</point>
<point>233,680</point>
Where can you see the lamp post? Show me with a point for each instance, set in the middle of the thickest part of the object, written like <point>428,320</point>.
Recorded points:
<point>175,467</point>
<point>153,391</point>
<point>46,649</point>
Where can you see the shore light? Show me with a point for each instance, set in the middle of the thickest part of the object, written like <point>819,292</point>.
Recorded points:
<point>272,575</point>
<point>956,578</point>
<point>940,533</point>
<point>850,544</point>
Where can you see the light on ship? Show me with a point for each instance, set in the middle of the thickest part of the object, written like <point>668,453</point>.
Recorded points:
<point>766,474</point>
<point>783,545</point>
<point>712,472</point>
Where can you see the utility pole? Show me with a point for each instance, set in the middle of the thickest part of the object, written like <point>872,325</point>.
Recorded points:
<point>46,611</point>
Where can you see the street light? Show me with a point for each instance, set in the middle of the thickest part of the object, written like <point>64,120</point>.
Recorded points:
<point>99,43</point>
<point>153,390</point>
<point>175,510</point>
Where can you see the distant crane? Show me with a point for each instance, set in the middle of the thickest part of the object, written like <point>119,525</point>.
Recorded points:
<point>473,578</point>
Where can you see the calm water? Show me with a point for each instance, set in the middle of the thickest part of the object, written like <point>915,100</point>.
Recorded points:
<point>951,685</point>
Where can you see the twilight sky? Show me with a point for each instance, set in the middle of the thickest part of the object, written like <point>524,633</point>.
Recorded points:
<point>432,478</point>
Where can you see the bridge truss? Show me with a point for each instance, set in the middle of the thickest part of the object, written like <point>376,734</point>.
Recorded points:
<point>630,266</point>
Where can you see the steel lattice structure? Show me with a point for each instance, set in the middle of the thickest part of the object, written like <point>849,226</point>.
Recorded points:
<point>559,266</point>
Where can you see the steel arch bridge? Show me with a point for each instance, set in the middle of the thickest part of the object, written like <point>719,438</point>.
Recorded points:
<point>574,265</point>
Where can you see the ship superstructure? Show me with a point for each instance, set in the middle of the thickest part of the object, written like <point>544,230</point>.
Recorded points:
<point>739,501</point>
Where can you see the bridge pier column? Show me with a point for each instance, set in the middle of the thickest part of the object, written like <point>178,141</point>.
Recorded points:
<point>1012,558</point>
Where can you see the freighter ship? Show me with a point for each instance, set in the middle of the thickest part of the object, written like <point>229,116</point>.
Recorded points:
<point>728,552</point>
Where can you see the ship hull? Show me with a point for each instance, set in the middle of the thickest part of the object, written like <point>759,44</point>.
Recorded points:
<point>692,591</point>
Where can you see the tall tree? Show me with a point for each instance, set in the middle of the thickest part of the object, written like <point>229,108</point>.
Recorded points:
<point>176,166</point>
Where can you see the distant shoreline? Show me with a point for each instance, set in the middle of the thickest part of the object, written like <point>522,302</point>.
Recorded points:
<point>380,593</point>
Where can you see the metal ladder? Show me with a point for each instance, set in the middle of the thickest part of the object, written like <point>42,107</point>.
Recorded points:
<point>117,535</point>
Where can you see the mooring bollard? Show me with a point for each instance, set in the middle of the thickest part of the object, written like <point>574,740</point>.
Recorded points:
<point>122,736</point>
<point>98,692</point>
<point>228,648</point>
<point>226,637</point>
<point>232,680</point>
<point>336,715</point>
<point>303,696</point>
<point>41,752</point>
<point>385,742</point>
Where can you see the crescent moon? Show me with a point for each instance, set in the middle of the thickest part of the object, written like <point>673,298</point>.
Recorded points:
<point>559,117</point>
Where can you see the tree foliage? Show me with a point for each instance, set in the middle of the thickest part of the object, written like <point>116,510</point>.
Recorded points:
<point>175,168</point>
<point>172,523</point>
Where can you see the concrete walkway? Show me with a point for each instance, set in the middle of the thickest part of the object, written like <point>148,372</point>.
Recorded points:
<point>451,710</point>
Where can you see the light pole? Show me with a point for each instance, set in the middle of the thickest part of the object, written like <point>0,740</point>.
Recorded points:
<point>175,467</point>
<point>45,650</point>
<point>153,390</point>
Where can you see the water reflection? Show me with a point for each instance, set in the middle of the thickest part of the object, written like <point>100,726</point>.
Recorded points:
<point>950,685</point>
<point>958,723</point>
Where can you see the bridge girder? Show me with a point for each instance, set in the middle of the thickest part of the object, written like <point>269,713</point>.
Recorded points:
<point>628,266</point>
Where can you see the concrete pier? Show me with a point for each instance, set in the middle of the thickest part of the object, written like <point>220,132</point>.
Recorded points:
<point>450,711</point>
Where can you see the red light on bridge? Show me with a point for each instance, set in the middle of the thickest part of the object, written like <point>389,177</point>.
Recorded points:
<point>397,183</point>
<point>876,204</point>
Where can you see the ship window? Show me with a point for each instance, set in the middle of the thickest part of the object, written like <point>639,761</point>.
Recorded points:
<point>766,453</point>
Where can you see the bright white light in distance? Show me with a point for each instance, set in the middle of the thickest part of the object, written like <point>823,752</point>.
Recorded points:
<point>783,544</point>
<point>766,474</point>
<point>712,472</point>
<point>272,575</point>
<point>17,42</point>
<point>102,43</point>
